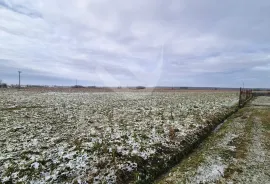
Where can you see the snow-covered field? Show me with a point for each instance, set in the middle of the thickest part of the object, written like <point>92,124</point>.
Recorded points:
<point>239,152</point>
<point>101,137</point>
<point>261,101</point>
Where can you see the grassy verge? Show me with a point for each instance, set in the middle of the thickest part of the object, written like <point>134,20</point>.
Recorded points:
<point>230,143</point>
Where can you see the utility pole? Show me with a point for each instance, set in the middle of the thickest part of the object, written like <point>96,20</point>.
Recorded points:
<point>19,79</point>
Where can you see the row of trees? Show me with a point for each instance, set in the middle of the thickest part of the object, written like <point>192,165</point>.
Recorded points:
<point>2,85</point>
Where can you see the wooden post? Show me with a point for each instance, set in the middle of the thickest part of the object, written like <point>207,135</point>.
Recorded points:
<point>240,97</point>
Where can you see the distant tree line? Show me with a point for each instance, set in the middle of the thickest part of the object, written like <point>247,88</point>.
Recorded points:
<point>3,85</point>
<point>80,86</point>
<point>140,87</point>
<point>259,89</point>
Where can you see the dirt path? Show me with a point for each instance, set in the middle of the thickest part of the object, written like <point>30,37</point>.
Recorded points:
<point>238,152</point>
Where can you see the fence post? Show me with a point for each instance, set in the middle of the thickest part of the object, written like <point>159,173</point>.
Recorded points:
<point>239,105</point>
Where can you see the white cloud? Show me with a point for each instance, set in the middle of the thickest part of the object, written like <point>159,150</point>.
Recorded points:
<point>71,39</point>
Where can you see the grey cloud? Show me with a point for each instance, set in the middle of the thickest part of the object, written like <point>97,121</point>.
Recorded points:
<point>20,9</point>
<point>71,39</point>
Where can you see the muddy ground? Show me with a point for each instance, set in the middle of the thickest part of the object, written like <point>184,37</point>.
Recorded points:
<point>238,151</point>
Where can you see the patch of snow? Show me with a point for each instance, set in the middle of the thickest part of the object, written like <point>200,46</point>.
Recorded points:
<point>210,171</point>
<point>35,165</point>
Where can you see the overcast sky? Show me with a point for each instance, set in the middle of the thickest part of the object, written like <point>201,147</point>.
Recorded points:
<point>140,42</point>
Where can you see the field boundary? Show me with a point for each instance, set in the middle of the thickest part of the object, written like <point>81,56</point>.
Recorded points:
<point>189,147</point>
<point>244,96</point>
<point>215,123</point>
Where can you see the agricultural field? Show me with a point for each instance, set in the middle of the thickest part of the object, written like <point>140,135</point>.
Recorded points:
<point>57,137</point>
<point>239,152</point>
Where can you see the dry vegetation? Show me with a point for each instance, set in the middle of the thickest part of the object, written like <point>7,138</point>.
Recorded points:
<point>238,153</point>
